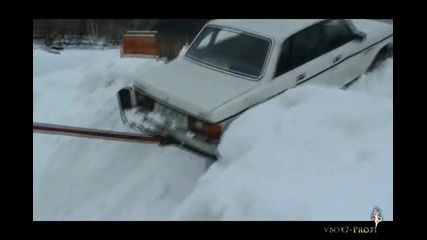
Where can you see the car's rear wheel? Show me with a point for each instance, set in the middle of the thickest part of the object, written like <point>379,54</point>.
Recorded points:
<point>382,55</point>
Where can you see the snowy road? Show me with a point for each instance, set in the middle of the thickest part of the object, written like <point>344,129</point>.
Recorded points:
<point>309,154</point>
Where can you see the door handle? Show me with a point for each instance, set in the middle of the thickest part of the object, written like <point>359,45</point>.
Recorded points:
<point>337,58</point>
<point>301,77</point>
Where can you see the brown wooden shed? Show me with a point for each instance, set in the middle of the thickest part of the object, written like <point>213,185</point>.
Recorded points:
<point>163,41</point>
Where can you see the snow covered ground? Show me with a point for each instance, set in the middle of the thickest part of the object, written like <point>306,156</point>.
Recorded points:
<point>310,154</point>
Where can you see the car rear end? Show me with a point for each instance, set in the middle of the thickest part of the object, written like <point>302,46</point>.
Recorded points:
<point>152,117</point>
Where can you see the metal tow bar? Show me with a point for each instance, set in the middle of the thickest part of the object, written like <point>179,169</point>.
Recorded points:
<point>55,129</point>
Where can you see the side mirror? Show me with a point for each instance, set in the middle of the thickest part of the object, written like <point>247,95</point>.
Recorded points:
<point>359,36</point>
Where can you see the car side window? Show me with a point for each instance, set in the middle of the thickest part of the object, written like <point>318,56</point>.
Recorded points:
<point>337,33</point>
<point>283,64</point>
<point>299,49</point>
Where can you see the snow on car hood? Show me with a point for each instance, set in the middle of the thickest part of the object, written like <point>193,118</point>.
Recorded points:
<point>193,88</point>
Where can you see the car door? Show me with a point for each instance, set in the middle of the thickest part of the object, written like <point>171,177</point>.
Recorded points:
<point>303,60</point>
<point>347,62</point>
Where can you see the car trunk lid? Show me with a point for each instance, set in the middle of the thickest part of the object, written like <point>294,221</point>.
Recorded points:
<point>193,88</point>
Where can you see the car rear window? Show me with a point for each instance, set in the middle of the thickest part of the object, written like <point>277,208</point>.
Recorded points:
<point>231,51</point>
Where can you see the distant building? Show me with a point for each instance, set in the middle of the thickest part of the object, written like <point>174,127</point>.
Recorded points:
<point>164,40</point>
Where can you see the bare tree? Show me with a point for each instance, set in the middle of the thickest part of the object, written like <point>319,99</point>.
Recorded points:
<point>72,31</point>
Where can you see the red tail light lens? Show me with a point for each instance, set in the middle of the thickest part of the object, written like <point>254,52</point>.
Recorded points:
<point>211,131</point>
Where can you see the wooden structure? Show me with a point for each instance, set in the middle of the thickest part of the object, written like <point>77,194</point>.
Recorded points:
<point>139,44</point>
<point>164,40</point>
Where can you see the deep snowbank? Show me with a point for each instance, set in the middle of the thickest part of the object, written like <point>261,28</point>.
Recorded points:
<point>310,154</point>
<point>79,87</point>
<point>87,179</point>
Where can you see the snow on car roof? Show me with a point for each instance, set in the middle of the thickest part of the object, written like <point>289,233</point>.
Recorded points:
<point>279,29</point>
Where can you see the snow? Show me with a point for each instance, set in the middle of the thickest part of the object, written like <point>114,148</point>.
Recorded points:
<point>309,154</point>
<point>87,179</point>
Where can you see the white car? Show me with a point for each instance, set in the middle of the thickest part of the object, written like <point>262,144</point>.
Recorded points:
<point>233,65</point>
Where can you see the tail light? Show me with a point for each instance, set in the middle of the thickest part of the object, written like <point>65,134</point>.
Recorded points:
<point>144,102</point>
<point>211,131</point>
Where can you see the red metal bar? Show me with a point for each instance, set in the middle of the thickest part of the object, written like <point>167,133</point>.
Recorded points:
<point>46,128</point>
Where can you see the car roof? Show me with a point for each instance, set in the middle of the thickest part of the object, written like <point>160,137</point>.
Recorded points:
<point>278,29</point>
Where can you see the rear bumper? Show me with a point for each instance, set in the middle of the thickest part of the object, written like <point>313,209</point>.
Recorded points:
<point>186,140</point>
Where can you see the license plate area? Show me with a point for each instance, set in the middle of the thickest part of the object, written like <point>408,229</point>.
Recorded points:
<point>172,118</point>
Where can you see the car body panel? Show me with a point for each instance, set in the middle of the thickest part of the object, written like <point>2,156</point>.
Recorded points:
<point>215,96</point>
<point>176,84</point>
